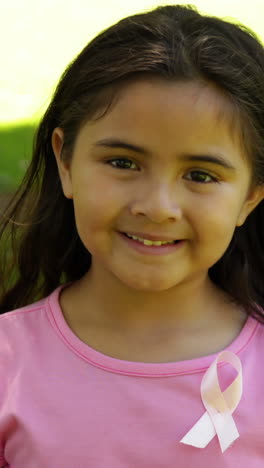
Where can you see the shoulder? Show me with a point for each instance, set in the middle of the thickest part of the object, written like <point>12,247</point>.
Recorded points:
<point>11,314</point>
<point>10,318</point>
<point>24,314</point>
<point>24,328</point>
<point>16,327</point>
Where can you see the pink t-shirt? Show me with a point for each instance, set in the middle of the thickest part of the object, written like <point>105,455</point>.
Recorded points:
<point>66,405</point>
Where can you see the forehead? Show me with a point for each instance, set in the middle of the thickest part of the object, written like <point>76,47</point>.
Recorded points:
<point>170,96</point>
<point>178,113</point>
<point>188,103</point>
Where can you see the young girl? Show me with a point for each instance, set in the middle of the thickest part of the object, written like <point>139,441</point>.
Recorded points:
<point>132,256</point>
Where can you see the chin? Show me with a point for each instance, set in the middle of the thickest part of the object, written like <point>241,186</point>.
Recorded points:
<point>148,284</point>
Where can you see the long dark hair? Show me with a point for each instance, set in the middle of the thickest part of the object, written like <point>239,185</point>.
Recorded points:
<point>41,248</point>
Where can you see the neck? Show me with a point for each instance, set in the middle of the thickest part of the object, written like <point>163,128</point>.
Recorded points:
<point>105,301</point>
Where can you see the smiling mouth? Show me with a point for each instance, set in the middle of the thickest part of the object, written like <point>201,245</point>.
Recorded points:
<point>140,239</point>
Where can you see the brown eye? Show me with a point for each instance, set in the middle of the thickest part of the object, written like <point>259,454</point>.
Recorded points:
<point>201,176</point>
<point>126,163</point>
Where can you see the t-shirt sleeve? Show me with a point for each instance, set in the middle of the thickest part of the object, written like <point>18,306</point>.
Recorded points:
<point>7,383</point>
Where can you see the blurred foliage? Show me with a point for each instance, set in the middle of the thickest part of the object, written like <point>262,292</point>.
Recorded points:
<point>16,144</point>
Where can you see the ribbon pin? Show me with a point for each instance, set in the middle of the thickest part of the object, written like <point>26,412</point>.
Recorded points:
<point>219,407</point>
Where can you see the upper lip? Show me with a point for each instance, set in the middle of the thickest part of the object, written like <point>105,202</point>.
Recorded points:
<point>151,236</point>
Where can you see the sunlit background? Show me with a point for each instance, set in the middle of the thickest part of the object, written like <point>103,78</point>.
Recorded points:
<point>38,40</point>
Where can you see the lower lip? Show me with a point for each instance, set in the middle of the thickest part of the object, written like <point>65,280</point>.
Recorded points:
<point>152,249</point>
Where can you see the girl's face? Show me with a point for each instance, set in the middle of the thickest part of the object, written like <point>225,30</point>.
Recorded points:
<point>161,189</point>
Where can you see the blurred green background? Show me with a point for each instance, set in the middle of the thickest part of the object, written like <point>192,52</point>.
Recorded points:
<point>39,39</point>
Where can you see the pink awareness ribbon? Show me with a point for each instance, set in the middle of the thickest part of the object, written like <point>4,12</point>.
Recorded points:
<point>219,407</point>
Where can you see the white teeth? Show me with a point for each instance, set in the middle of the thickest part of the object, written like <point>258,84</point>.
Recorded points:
<point>149,242</point>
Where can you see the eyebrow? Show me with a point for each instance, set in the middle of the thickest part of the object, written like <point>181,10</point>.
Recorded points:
<point>211,158</point>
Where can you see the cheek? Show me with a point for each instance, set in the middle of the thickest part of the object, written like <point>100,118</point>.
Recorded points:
<point>215,220</point>
<point>97,205</point>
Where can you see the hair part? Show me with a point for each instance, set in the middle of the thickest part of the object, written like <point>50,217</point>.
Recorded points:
<point>173,43</point>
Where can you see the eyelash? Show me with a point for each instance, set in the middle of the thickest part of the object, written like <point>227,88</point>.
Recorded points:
<point>214,179</point>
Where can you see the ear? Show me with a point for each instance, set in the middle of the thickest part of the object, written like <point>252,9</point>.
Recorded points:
<point>256,195</point>
<point>63,167</point>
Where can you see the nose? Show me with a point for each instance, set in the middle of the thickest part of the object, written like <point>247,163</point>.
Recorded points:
<point>158,202</point>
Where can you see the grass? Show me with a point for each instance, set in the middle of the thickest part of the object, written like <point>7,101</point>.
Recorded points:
<point>16,143</point>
